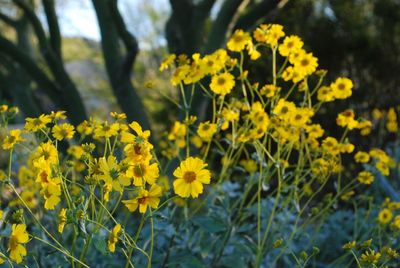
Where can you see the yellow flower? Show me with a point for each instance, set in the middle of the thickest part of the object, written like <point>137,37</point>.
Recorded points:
<point>196,141</point>
<point>62,219</point>
<point>342,88</point>
<point>51,193</point>
<point>13,138</point>
<point>206,130</point>
<point>178,134</point>
<point>239,41</point>
<point>269,90</point>
<point>346,119</point>
<point>113,238</point>
<point>314,131</point>
<point>144,172</point>
<point>167,62</point>
<point>300,116</point>
<point>3,108</point>
<point>249,165</point>
<point>383,168</point>
<point>190,177</point>
<point>222,84</point>
<point>58,115</point>
<point>290,44</point>
<point>48,152</point>
<point>85,128</point>
<point>385,216</point>
<point>350,245</point>
<point>36,124</point>
<point>306,64</point>
<point>365,177</point>
<point>63,131</point>
<point>371,257</point>
<point>362,157</point>
<point>18,238</point>
<point>392,124</point>
<point>269,34</point>
<point>293,74</point>
<point>331,145</point>
<point>229,115</point>
<point>325,94</point>
<point>283,109</point>
<point>110,173</point>
<point>105,130</point>
<point>144,199</point>
<point>396,222</point>
<point>258,116</point>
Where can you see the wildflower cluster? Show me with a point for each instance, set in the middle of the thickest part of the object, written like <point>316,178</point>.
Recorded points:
<point>259,152</point>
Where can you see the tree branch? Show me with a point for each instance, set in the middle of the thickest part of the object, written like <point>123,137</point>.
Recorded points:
<point>10,50</point>
<point>36,24</point>
<point>54,29</point>
<point>257,12</point>
<point>219,31</point>
<point>126,95</point>
<point>7,19</point>
<point>130,42</point>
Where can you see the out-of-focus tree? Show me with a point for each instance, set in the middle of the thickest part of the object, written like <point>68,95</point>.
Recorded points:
<point>47,72</point>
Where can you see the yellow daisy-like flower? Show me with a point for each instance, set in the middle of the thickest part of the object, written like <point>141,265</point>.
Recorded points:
<point>36,124</point>
<point>144,199</point>
<point>85,128</point>
<point>13,138</point>
<point>167,62</point>
<point>290,45</point>
<point>306,64</point>
<point>190,177</point>
<point>19,237</point>
<point>51,193</point>
<point>283,109</point>
<point>385,216</point>
<point>325,94</point>
<point>365,177</point>
<point>269,90</point>
<point>396,222</point>
<point>62,220</point>
<point>113,238</point>
<point>362,157</point>
<point>206,130</point>
<point>3,108</point>
<point>63,131</point>
<point>346,119</point>
<point>222,84</point>
<point>105,130</point>
<point>239,40</point>
<point>49,153</point>
<point>144,172</point>
<point>342,88</point>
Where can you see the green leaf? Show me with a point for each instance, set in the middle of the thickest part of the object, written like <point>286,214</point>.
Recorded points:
<point>209,224</point>
<point>100,244</point>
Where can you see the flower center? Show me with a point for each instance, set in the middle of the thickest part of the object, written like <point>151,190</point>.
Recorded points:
<point>189,176</point>
<point>284,110</point>
<point>305,62</point>
<point>221,81</point>
<point>206,127</point>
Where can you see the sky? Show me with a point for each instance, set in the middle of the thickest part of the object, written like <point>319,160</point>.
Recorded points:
<point>77,18</point>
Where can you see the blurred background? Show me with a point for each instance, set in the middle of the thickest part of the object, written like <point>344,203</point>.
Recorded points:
<point>92,57</point>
